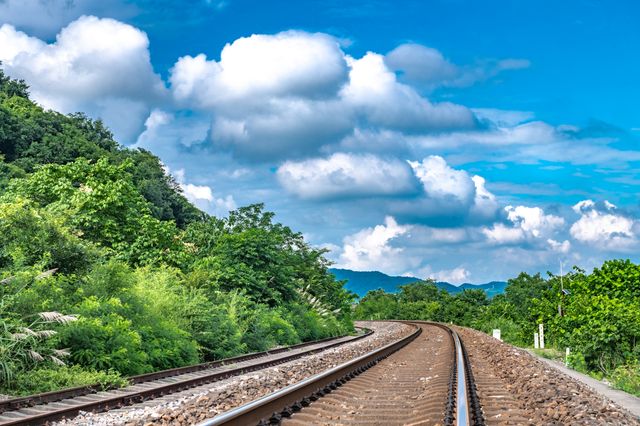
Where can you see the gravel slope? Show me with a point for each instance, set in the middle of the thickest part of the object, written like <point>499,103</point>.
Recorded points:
<point>543,394</point>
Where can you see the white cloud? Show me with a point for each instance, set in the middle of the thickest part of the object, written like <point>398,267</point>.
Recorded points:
<point>374,91</point>
<point>450,191</point>
<point>370,249</point>
<point>527,224</point>
<point>443,182</point>
<point>292,93</point>
<point>454,276</point>
<point>584,205</point>
<point>605,229</point>
<point>98,66</point>
<point>202,196</point>
<point>485,204</point>
<point>533,220</point>
<point>197,192</point>
<point>46,17</point>
<point>284,128</point>
<point>500,233</point>
<point>561,247</point>
<point>259,67</point>
<point>427,67</point>
<point>421,64</point>
<point>341,174</point>
<point>529,142</point>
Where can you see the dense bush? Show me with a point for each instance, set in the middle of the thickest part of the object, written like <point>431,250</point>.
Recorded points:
<point>147,281</point>
<point>49,379</point>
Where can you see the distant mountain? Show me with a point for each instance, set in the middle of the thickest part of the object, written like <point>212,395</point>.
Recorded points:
<point>361,282</point>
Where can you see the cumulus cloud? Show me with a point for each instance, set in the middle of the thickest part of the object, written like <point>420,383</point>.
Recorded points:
<point>427,67</point>
<point>371,249</point>
<point>346,175</point>
<point>440,181</point>
<point>448,194</point>
<point>374,92</point>
<point>98,66</point>
<point>293,93</point>
<point>527,223</point>
<point>603,226</point>
<point>257,68</point>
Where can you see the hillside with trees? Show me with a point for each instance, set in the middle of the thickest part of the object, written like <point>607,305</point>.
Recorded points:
<point>106,270</point>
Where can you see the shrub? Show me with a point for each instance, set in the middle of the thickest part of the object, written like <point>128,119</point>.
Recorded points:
<point>627,378</point>
<point>51,379</point>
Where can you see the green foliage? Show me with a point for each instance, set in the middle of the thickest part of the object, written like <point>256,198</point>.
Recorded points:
<point>43,380</point>
<point>598,315</point>
<point>31,236</point>
<point>268,329</point>
<point>627,378</point>
<point>153,282</point>
<point>25,340</point>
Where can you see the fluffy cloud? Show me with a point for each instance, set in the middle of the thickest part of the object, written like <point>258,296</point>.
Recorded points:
<point>427,67</point>
<point>449,194</point>
<point>374,92</point>
<point>346,175</point>
<point>370,249</point>
<point>292,93</point>
<point>533,220</point>
<point>527,223</point>
<point>440,181</point>
<point>257,68</point>
<point>98,66</point>
<point>602,226</point>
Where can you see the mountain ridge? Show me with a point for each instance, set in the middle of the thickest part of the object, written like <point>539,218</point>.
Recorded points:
<point>360,282</point>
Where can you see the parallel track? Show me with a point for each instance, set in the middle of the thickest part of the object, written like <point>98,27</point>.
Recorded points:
<point>42,408</point>
<point>393,392</point>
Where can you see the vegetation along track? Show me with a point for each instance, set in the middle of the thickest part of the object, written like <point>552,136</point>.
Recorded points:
<point>423,378</point>
<point>43,408</point>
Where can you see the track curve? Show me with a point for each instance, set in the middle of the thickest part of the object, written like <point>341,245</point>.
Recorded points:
<point>423,378</point>
<point>44,408</point>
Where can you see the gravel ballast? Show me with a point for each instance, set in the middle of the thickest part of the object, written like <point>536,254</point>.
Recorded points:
<point>543,394</point>
<point>194,405</point>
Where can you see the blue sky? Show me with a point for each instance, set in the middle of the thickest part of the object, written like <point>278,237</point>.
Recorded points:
<point>460,140</point>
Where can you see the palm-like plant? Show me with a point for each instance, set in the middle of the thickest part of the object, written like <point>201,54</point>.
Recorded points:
<point>24,341</point>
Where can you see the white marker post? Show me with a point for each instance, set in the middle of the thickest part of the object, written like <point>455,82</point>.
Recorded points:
<point>496,334</point>
<point>536,341</point>
<point>541,331</point>
<point>566,356</point>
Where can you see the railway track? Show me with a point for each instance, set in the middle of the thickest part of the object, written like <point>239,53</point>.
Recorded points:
<point>44,408</point>
<point>423,378</point>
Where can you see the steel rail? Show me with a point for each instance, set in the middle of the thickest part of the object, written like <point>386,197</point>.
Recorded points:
<point>125,398</point>
<point>463,394</point>
<point>271,408</point>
